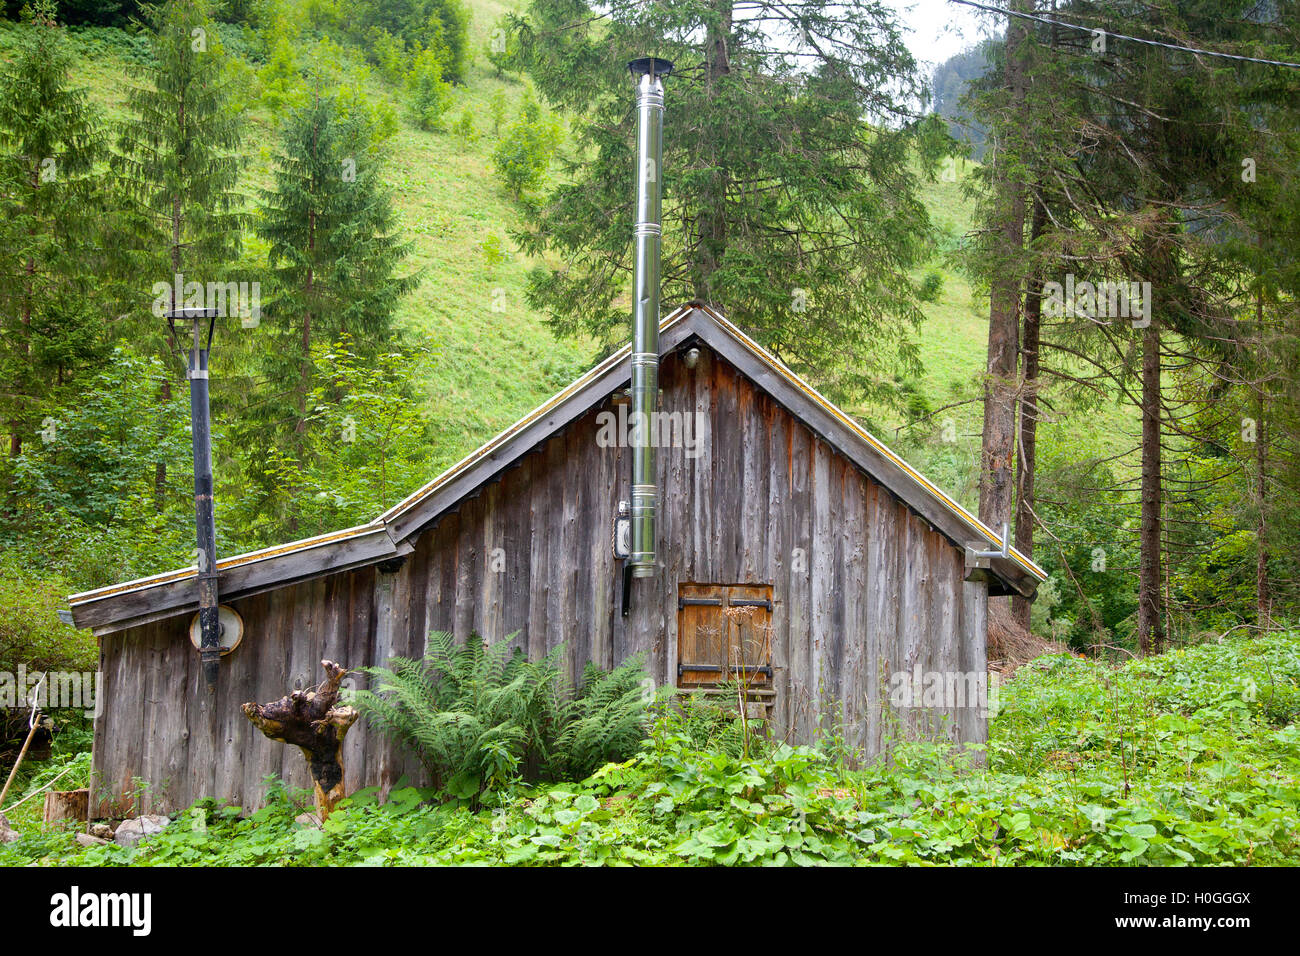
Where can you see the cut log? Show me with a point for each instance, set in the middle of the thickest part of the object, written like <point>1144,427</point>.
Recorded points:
<point>63,805</point>
<point>312,722</point>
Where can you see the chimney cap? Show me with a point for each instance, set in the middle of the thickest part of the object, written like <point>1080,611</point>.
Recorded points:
<point>652,65</point>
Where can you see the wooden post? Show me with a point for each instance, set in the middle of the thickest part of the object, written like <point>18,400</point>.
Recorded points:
<point>311,722</point>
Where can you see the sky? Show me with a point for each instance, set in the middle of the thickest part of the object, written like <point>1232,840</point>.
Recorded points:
<point>937,29</point>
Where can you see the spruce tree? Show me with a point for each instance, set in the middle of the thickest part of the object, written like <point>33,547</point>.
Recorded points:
<point>790,198</point>
<point>49,141</point>
<point>1164,193</point>
<point>178,149</point>
<point>177,160</point>
<point>1137,152</point>
<point>333,251</point>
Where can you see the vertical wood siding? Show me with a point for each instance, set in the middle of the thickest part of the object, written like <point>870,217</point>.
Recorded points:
<point>863,588</point>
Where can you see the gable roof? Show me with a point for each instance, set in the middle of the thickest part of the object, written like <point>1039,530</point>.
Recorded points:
<point>390,535</point>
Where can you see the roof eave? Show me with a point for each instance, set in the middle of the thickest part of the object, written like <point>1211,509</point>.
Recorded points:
<point>124,605</point>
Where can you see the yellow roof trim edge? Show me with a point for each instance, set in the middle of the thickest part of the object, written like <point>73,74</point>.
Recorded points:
<point>380,524</point>
<point>223,564</point>
<point>844,418</point>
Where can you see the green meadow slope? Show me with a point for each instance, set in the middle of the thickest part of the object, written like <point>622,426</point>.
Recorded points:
<point>493,358</point>
<point>940,432</point>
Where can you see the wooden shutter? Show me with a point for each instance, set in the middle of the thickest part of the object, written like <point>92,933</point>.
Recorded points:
<point>701,639</point>
<point>724,632</point>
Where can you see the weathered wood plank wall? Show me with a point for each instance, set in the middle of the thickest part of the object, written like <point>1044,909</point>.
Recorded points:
<point>863,588</point>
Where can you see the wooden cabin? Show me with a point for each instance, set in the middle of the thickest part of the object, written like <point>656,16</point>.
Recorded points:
<point>793,550</point>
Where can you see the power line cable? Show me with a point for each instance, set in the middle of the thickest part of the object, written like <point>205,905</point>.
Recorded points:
<point>1121,36</point>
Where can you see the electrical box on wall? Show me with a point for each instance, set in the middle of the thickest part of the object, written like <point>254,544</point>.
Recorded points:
<point>623,531</point>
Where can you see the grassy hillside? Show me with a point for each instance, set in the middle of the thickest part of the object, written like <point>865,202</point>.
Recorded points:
<point>494,358</point>
<point>489,366</point>
<point>953,342</point>
<point>494,365</point>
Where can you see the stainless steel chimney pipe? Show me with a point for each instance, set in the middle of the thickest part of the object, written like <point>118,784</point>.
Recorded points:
<point>648,72</point>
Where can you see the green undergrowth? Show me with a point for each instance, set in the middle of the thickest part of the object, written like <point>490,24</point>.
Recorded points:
<point>1192,757</point>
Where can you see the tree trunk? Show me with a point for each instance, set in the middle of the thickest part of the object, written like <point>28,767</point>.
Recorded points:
<point>1150,637</point>
<point>177,220</point>
<point>305,369</point>
<point>311,721</point>
<point>63,805</point>
<point>713,217</point>
<point>1263,599</point>
<point>998,441</point>
<point>25,322</point>
<point>1020,606</point>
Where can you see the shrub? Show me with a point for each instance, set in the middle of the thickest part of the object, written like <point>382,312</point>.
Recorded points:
<point>85,502</point>
<point>497,107</point>
<point>30,630</point>
<point>931,286</point>
<point>281,81</point>
<point>430,94</point>
<point>524,153</point>
<point>492,250</point>
<point>502,48</point>
<point>479,717</point>
<point>464,127</point>
<point>389,54</point>
<point>32,635</point>
<point>110,41</point>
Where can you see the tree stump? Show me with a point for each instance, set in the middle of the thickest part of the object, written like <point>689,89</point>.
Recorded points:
<point>67,805</point>
<point>311,721</point>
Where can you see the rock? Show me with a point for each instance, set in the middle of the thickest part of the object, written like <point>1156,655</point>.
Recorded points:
<point>131,832</point>
<point>7,832</point>
<point>308,820</point>
<point>101,830</point>
<point>85,839</point>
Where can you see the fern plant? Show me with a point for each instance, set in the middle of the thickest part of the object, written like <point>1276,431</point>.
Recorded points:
<point>480,716</point>
<point>604,721</point>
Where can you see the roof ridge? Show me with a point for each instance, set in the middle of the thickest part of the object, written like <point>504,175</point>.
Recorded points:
<point>383,520</point>
<point>857,427</point>
<point>397,538</point>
